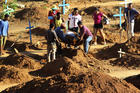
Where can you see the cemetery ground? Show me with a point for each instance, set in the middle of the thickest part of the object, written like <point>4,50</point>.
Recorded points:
<point>23,68</point>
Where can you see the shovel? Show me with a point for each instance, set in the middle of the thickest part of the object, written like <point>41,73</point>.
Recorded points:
<point>14,43</point>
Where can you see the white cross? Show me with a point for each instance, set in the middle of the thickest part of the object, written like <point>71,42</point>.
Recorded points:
<point>126,2</point>
<point>121,52</point>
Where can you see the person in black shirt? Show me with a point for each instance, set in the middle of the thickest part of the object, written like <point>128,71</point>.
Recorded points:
<point>52,41</point>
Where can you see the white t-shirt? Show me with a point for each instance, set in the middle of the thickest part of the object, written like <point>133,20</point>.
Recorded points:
<point>73,20</point>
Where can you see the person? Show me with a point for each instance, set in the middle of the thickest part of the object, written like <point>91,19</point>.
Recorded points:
<point>98,26</point>
<point>58,20</point>
<point>129,15</point>
<point>52,40</point>
<point>52,14</point>
<point>72,38</point>
<point>60,31</point>
<point>85,35</point>
<point>4,27</point>
<point>73,20</point>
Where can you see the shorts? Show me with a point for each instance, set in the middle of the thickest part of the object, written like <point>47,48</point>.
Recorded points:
<point>98,26</point>
<point>3,40</point>
<point>51,47</point>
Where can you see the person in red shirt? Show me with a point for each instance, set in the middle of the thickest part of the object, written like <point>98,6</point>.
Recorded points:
<point>52,14</point>
<point>98,26</point>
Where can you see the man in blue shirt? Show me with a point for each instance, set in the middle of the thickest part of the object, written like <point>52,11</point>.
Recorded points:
<point>4,26</point>
<point>130,14</point>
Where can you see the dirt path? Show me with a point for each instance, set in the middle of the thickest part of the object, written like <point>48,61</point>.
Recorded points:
<point>4,86</point>
<point>124,74</point>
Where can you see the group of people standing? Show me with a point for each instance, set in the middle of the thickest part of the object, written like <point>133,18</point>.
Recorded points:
<point>75,29</point>
<point>62,31</point>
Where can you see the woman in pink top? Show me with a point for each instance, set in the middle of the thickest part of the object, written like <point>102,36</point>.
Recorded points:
<point>98,26</point>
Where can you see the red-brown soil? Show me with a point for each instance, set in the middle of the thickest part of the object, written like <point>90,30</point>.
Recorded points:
<point>34,14</point>
<point>81,83</point>
<point>135,80</point>
<point>21,61</point>
<point>13,75</point>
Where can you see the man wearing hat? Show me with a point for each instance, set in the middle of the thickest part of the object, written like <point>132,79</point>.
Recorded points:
<point>52,14</point>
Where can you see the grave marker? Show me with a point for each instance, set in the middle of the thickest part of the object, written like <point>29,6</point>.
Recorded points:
<point>64,6</point>
<point>30,27</point>
<point>120,15</point>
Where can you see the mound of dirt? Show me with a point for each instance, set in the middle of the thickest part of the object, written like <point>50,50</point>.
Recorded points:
<point>135,80</point>
<point>34,14</point>
<point>19,46</point>
<point>69,64</point>
<point>21,61</point>
<point>137,23</point>
<point>13,75</point>
<point>82,83</point>
<point>132,46</point>
<point>39,31</point>
<point>127,61</point>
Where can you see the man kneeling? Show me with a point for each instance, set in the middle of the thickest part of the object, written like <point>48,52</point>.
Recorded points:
<point>85,35</point>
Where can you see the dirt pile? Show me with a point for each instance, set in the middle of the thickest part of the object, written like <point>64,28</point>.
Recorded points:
<point>34,14</point>
<point>135,80</point>
<point>68,64</point>
<point>137,23</point>
<point>21,61</point>
<point>127,61</point>
<point>39,31</point>
<point>13,75</point>
<point>132,47</point>
<point>82,83</point>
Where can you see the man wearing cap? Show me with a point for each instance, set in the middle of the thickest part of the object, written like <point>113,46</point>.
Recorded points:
<point>130,14</point>
<point>52,14</point>
<point>4,26</point>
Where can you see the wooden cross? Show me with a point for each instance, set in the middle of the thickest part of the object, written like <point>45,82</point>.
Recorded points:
<point>8,10</point>
<point>5,1</point>
<point>121,52</point>
<point>120,15</point>
<point>63,5</point>
<point>126,2</point>
<point>30,27</point>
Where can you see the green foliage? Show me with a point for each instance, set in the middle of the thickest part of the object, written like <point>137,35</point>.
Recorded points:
<point>13,6</point>
<point>1,15</point>
<point>45,7</point>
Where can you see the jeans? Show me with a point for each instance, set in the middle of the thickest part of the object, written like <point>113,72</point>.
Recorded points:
<point>86,43</point>
<point>130,30</point>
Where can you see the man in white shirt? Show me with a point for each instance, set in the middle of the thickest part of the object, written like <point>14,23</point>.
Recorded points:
<point>73,20</point>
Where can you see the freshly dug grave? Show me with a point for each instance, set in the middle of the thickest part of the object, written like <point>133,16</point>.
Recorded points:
<point>135,80</point>
<point>19,46</point>
<point>132,46</point>
<point>21,61</point>
<point>69,63</point>
<point>81,83</point>
<point>127,61</point>
<point>39,31</point>
<point>13,75</point>
<point>34,14</point>
<point>137,23</point>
